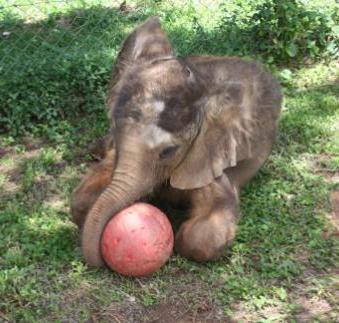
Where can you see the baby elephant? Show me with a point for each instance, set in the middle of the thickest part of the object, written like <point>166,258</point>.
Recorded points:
<point>191,130</point>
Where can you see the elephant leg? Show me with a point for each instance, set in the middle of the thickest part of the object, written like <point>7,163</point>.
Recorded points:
<point>212,223</point>
<point>241,174</point>
<point>90,188</point>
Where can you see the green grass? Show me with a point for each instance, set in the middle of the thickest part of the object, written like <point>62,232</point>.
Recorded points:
<point>283,264</point>
<point>280,242</point>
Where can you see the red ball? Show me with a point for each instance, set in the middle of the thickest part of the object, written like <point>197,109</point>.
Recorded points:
<point>137,241</point>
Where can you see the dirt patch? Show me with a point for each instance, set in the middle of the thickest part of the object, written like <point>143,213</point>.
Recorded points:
<point>12,169</point>
<point>4,151</point>
<point>333,216</point>
<point>32,143</point>
<point>188,300</point>
<point>315,296</point>
<point>165,312</point>
<point>311,308</point>
<point>44,187</point>
<point>243,313</point>
<point>173,313</point>
<point>17,159</point>
<point>335,208</point>
<point>183,298</point>
<point>320,165</point>
<point>330,176</point>
<point>302,255</point>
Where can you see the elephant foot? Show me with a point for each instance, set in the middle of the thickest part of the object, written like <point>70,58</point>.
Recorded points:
<point>205,238</point>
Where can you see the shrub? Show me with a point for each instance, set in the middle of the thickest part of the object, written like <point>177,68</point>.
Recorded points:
<point>282,31</point>
<point>39,99</point>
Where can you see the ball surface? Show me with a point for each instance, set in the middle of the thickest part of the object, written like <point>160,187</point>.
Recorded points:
<point>137,241</point>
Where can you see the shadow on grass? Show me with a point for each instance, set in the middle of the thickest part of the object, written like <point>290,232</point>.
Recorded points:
<point>34,216</point>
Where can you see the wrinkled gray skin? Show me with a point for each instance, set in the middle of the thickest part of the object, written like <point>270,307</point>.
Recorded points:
<point>192,130</point>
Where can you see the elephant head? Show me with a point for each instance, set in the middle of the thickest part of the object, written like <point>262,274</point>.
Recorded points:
<point>177,120</point>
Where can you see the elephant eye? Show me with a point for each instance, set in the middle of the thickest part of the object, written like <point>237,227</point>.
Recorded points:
<point>168,152</point>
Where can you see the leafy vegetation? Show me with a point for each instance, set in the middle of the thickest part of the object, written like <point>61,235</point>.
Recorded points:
<point>283,264</point>
<point>282,31</point>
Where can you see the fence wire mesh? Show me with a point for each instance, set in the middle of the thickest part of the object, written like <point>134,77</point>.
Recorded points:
<point>57,32</point>
<point>56,55</point>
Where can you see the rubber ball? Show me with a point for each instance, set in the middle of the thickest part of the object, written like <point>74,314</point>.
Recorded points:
<point>137,241</point>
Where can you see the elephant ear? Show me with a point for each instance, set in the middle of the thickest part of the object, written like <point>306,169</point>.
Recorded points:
<point>223,140</point>
<point>146,43</point>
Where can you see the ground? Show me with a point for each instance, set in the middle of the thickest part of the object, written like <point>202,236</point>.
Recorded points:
<point>283,265</point>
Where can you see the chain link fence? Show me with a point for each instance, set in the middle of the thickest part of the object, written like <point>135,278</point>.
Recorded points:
<point>49,32</point>
<point>56,55</point>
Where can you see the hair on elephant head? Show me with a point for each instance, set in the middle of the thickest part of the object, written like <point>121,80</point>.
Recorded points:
<point>181,120</point>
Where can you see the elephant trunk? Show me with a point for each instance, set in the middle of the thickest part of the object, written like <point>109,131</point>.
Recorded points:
<point>123,191</point>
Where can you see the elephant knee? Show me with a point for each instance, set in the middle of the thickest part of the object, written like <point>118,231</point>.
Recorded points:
<point>88,191</point>
<point>78,210</point>
<point>81,203</point>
